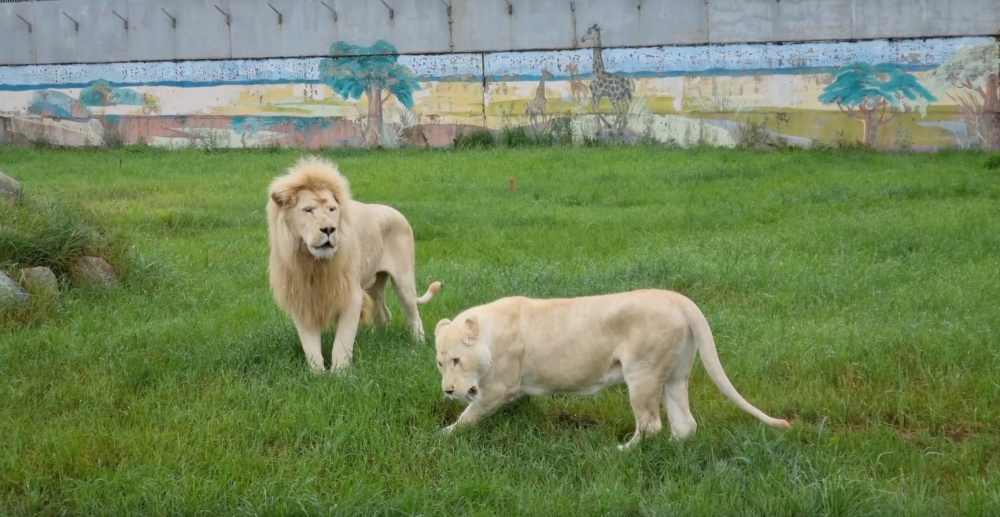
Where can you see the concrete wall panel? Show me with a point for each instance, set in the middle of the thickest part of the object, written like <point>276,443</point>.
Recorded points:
<point>619,22</point>
<point>304,28</point>
<point>887,18</point>
<point>153,36</point>
<point>17,45</point>
<point>810,20</point>
<point>542,24</point>
<point>309,27</point>
<point>740,21</point>
<point>481,26</point>
<point>55,34</point>
<point>673,22</point>
<point>961,17</point>
<point>202,32</point>
<point>103,35</point>
<point>417,26</point>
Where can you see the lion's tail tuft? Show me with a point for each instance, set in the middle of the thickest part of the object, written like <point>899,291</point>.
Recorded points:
<point>431,291</point>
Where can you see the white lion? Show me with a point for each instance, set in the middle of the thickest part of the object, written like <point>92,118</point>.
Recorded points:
<point>331,257</point>
<point>521,346</point>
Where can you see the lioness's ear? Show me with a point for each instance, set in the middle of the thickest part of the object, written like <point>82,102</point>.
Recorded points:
<point>283,198</point>
<point>437,329</point>
<point>471,330</point>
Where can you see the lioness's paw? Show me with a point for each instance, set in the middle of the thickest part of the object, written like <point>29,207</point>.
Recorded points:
<point>448,430</point>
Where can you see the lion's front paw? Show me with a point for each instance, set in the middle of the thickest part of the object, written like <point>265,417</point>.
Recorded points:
<point>448,430</point>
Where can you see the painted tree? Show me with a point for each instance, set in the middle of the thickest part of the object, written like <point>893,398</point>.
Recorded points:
<point>975,73</point>
<point>354,71</point>
<point>875,94</point>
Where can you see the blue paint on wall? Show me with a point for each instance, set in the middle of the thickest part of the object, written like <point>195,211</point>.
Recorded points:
<point>103,93</point>
<point>252,124</point>
<point>674,61</point>
<point>48,103</point>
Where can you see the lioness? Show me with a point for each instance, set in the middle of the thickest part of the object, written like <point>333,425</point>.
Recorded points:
<point>331,257</point>
<point>519,346</point>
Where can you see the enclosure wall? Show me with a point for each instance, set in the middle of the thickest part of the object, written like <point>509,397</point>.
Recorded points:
<point>919,74</point>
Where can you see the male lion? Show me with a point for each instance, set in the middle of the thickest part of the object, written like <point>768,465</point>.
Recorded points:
<point>331,257</point>
<point>521,346</point>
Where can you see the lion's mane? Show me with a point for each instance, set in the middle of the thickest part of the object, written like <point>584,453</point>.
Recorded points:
<point>310,290</point>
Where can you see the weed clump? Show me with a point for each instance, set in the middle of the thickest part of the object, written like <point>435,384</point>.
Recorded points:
<point>52,234</point>
<point>475,139</point>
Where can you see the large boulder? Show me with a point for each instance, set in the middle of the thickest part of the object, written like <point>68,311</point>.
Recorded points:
<point>39,280</point>
<point>11,292</point>
<point>93,271</point>
<point>10,189</point>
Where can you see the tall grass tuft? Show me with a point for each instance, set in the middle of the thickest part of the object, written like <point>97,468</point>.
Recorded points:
<point>475,139</point>
<point>50,233</point>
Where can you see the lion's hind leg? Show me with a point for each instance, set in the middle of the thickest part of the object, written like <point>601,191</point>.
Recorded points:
<point>405,287</point>
<point>675,394</point>
<point>675,399</point>
<point>644,393</point>
<point>377,294</point>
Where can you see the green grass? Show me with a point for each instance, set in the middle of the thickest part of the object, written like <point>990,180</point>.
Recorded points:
<point>853,292</point>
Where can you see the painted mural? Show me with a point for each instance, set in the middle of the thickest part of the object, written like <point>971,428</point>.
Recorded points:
<point>915,94</point>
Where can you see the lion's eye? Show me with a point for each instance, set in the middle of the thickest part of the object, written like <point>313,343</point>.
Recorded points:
<point>333,209</point>
<point>454,361</point>
<point>308,210</point>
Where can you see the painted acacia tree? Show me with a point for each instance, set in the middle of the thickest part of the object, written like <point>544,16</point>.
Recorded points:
<point>975,72</point>
<point>354,71</point>
<point>875,94</point>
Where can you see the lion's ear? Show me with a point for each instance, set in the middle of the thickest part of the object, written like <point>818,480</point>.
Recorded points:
<point>283,198</point>
<point>471,330</point>
<point>437,329</point>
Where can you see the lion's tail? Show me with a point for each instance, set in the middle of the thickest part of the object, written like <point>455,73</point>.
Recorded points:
<point>702,335</point>
<point>431,291</point>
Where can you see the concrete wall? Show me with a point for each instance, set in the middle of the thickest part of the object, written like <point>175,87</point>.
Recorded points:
<point>89,31</point>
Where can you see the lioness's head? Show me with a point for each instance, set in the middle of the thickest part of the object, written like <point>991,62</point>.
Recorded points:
<point>312,198</point>
<point>462,358</point>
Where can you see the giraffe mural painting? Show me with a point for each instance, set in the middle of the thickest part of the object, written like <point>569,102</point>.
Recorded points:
<point>918,94</point>
<point>536,108</point>
<point>616,88</point>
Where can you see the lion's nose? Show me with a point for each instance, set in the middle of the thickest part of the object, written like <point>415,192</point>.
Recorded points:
<point>328,230</point>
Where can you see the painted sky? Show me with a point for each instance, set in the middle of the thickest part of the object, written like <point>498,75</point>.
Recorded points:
<point>679,60</point>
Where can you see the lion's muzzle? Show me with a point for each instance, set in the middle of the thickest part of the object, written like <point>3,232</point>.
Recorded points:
<point>468,396</point>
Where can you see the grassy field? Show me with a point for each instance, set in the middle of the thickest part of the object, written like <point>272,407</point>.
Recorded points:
<point>850,292</point>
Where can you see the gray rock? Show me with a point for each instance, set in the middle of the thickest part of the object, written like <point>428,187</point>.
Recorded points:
<point>93,271</point>
<point>10,189</point>
<point>38,280</point>
<point>11,292</point>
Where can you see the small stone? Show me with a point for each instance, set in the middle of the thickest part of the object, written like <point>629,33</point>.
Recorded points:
<point>11,292</point>
<point>10,189</point>
<point>93,271</point>
<point>39,280</point>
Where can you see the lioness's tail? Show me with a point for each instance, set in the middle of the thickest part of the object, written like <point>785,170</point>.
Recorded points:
<point>431,291</point>
<point>702,335</point>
